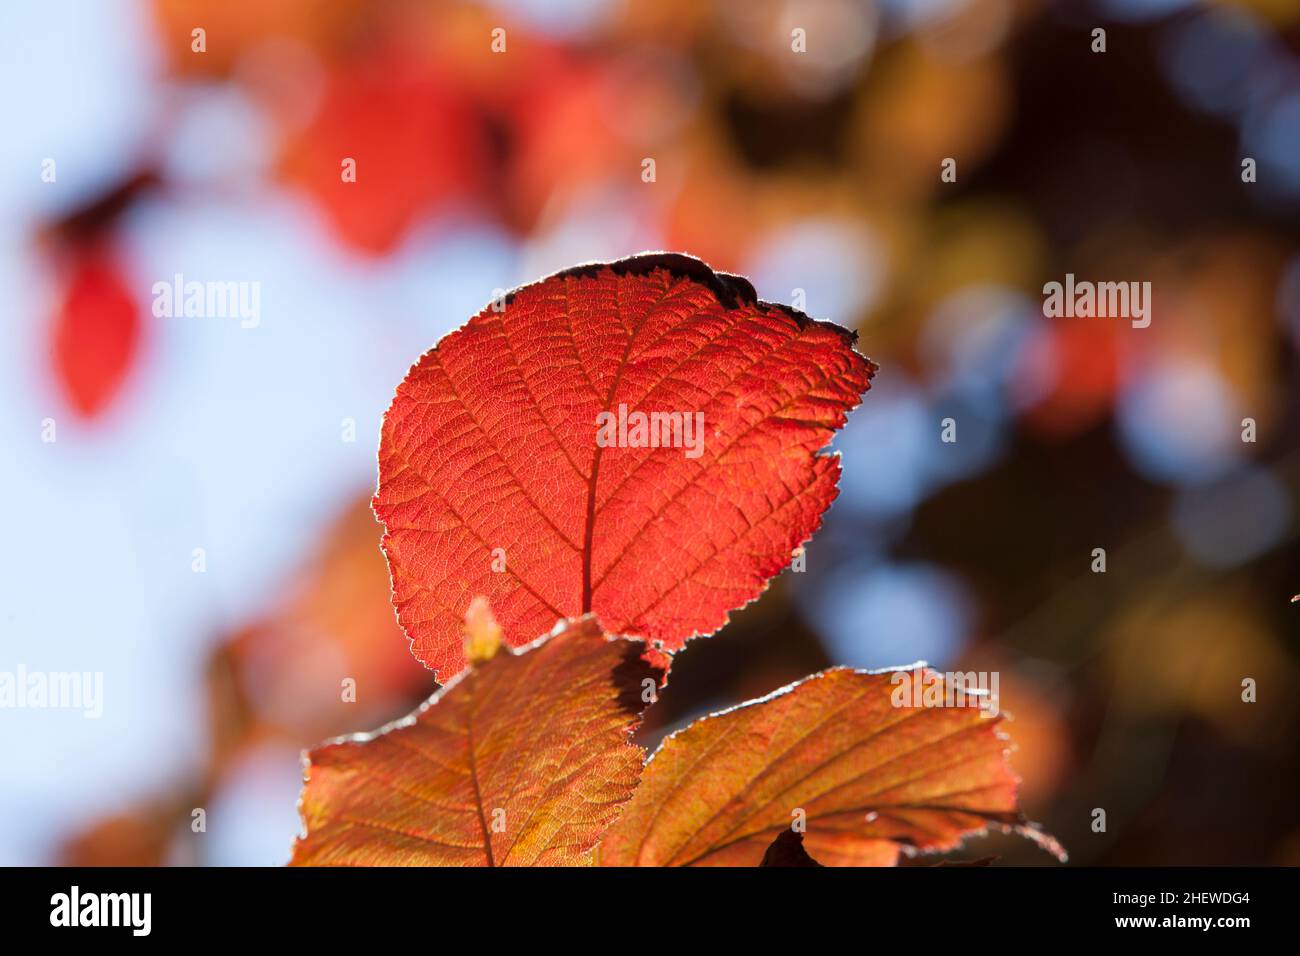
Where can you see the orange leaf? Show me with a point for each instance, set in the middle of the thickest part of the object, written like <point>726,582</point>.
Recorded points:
<point>492,479</point>
<point>522,760</point>
<point>871,778</point>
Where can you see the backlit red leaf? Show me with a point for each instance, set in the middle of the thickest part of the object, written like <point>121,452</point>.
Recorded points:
<point>523,760</point>
<point>870,778</point>
<point>491,480</point>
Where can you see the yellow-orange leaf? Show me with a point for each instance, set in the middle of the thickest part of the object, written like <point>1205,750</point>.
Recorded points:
<point>867,777</point>
<point>522,760</point>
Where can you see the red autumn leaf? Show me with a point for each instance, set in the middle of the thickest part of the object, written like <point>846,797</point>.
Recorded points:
<point>870,778</point>
<point>414,139</point>
<point>96,332</point>
<point>523,760</point>
<point>491,480</point>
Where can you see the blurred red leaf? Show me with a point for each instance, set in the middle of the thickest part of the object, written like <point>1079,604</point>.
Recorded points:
<point>1084,356</point>
<point>553,109</point>
<point>870,777</point>
<point>491,480</point>
<point>414,136</point>
<point>523,760</point>
<point>96,331</point>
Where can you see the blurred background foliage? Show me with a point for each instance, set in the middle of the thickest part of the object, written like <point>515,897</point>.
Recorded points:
<point>815,174</point>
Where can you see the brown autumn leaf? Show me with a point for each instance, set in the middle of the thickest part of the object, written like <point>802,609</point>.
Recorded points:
<point>280,673</point>
<point>522,760</point>
<point>138,836</point>
<point>871,778</point>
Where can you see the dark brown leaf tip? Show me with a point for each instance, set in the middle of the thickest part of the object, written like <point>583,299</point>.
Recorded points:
<point>732,291</point>
<point>787,850</point>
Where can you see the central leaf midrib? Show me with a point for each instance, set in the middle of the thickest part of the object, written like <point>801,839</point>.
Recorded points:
<point>589,531</point>
<point>473,776</point>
